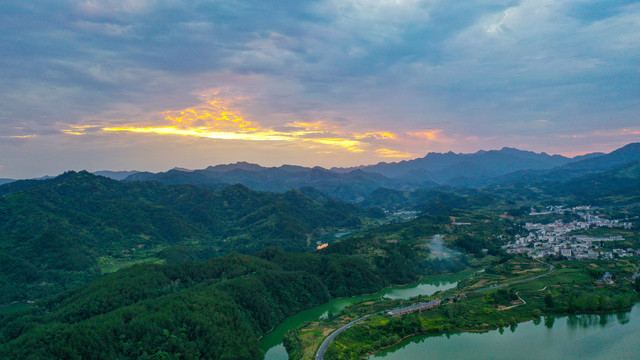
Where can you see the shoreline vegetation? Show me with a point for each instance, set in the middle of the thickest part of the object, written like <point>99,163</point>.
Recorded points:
<point>449,277</point>
<point>418,282</point>
<point>574,288</point>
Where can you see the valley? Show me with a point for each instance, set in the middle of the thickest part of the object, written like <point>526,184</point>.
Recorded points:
<point>319,180</point>
<point>157,270</point>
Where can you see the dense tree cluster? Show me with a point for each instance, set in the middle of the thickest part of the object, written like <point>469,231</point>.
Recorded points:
<point>211,310</point>
<point>52,232</point>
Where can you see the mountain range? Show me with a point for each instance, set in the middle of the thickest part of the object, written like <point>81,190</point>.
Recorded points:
<point>351,186</point>
<point>494,168</point>
<point>480,169</point>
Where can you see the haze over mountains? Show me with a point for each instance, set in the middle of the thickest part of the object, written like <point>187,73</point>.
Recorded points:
<point>479,169</point>
<point>503,167</point>
<point>115,175</point>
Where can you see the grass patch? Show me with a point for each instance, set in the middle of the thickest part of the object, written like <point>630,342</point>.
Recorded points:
<point>109,264</point>
<point>14,308</point>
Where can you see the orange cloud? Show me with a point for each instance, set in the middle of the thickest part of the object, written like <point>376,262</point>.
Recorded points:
<point>315,126</point>
<point>205,132</point>
<point>426,134</point>
<point>351,145</point>
<point>220,117</point>
<point>217,118</point>
<point>377,135</point>
<point>77,129</point>
<point>22,136</point>
<point>213,114</point>
<point>393,153</point>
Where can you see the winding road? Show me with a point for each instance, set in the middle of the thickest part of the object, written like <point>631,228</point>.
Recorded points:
<point>325,344</point>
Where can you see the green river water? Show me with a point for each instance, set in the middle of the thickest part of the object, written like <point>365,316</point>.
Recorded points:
<point>272,342</point>
<point>584,337</point>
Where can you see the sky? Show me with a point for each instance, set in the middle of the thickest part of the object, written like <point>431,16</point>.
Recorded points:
<point>157,84</point>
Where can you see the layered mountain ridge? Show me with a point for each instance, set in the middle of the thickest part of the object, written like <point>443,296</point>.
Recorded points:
<point>480,169</point>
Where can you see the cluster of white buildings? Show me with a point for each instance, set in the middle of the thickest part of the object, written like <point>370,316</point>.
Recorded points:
<point>545,240</point>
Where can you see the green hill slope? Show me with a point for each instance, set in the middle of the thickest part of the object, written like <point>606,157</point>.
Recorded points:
<point>212,310</point>
<point>58,233</point>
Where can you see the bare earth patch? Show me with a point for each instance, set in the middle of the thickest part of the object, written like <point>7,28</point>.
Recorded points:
<point>327,331</point>
<point>480,283</point>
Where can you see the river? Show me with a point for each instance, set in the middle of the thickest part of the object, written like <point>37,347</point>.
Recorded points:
<point>583,337</point>
<point>271,343</point>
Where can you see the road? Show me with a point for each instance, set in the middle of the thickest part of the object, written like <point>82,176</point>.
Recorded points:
<point>325,344</point>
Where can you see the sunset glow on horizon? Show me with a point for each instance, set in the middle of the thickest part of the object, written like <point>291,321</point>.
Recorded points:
<point>155,85</point>
<point>215,119</point>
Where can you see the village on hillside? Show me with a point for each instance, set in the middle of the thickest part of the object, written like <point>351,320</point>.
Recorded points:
<point>554,239</point>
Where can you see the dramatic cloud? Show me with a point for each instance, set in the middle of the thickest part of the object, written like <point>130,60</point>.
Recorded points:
<point>217,118</point>
<point>302,82</point>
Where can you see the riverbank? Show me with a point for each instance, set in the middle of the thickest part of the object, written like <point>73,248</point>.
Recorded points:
<point>272,342</point>
<point>573,337</point>
<point>570,289</point>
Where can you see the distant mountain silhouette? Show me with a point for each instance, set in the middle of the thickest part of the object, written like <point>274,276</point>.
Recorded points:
<point>466,169</point>
<point>355,184</point>
<point>115,175</point>
<point>584,166</point>
<point>351,186</point>
<point>623,155</point>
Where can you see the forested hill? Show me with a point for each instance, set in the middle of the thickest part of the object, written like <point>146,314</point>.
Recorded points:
<point>352,186</point>
<point>53,234</point>
<point>478,170</point>
<point>619,185</point>
<point>212,310</point>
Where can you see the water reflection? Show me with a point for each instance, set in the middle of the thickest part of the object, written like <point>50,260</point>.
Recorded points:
<point>549,320</point>
<point>574,337</point>
<point>604,320</point>
<point>623,318</point>
<point>586,321</point>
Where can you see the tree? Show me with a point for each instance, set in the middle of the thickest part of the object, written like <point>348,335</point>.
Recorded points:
<point>548,301</point>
